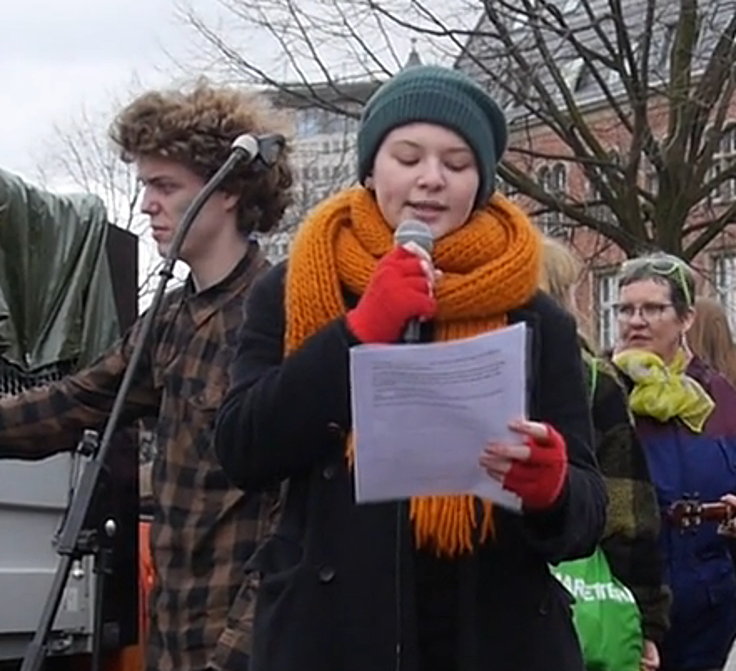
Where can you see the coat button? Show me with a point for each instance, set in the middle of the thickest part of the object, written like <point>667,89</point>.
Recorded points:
<point>328,472</point>
<point>335,430</point>
<point>326,574</point>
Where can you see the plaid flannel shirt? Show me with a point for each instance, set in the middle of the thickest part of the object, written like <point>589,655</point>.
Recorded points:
<point>203,529</point>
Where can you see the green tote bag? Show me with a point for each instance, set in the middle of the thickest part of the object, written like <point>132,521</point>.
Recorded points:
<point>605,613</point>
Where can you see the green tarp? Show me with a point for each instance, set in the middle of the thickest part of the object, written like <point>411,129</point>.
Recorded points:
<point>56,298</point>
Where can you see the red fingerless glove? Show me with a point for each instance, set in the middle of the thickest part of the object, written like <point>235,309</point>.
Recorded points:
<point>538,481</point>
<point>397,292</point>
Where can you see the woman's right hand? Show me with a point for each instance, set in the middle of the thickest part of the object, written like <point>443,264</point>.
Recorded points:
<point>399,290</point>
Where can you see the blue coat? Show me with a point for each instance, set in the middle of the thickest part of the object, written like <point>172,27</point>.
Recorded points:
<point>698,564</point>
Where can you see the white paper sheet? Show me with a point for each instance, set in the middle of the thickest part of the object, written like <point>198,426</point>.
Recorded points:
<point>422,414</point>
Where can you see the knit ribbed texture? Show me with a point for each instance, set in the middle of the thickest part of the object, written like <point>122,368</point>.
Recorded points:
<point>490,266</point>
<point>436,95</point>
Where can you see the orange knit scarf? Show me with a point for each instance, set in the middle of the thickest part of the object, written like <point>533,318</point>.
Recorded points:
<point>490,266</point>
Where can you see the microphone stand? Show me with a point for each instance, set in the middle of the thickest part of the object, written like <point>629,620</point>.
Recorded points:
<point>73,541</point>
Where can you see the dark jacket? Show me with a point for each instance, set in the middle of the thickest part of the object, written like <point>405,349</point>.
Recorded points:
<point>338,585</point>
<point>630,539</point>
<point>203,529</point>
<point>698,564</point>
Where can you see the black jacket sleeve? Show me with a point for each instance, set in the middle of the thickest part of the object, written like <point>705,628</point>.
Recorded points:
<point>630,541</point>
<point>574,525</point>
<point>282,415</point>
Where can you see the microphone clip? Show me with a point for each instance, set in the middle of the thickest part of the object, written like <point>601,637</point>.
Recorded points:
<point>259,152</point>
<point>269,149</point>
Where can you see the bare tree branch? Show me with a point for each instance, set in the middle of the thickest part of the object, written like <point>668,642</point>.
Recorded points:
<point>637,96</point>
<point>79,154</point>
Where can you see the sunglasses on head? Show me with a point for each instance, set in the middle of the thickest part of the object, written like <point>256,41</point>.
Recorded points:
<point>666,266</point>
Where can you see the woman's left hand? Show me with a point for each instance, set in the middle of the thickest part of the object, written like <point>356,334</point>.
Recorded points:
<point>535,469</point>
<point>650,656</point>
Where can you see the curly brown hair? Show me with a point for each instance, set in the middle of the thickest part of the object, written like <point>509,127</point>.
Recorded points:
<point>196,128</point>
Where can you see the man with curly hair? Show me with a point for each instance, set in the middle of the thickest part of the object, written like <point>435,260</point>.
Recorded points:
<point>204,529</point>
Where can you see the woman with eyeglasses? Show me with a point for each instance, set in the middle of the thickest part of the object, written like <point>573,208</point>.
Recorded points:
<point>685,415</point>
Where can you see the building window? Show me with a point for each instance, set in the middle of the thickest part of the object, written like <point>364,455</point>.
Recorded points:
<point>502,186</point>
<point>571,72</point>
<point>606,294</point>
<point>586,79</point>
<point>569,6</point>
<point>517,19</point>
<point>307,122</point>
<point>553,179</point>
<point>518,84</point>
<point>651,178</point>
<point>596,207</point>
<point>724,280</point>
<point>724,158</point>
<point>276,246</point>
<point>667,38</point>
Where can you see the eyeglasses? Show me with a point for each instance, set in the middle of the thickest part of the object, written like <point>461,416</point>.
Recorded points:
<point>649,312</point>
<point>664,265</point>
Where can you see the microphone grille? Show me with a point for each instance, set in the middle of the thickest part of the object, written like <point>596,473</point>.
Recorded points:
<point>247,143</point>
<point>414,231</point>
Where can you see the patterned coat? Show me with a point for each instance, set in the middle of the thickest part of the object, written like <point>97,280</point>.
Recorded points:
<point>633,521</point>
<point>203,529</point>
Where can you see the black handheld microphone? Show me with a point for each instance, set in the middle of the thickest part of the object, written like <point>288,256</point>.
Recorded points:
<point>420,234</point>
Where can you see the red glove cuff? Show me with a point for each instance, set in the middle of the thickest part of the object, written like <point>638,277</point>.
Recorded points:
<point>539,480</point>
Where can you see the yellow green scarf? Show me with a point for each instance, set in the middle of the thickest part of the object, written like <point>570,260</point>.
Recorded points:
<point>665,392</point>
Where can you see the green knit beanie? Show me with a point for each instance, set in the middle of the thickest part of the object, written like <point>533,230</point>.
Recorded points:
<point>433,94</point>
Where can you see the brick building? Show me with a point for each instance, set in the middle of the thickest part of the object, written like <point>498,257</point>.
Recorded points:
<point>542,154</point>
<point>324,153</point>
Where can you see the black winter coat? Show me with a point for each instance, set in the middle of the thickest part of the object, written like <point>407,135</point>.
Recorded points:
<point>337,590</point>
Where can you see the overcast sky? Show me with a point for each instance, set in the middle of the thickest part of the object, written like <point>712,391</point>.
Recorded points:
<point>58,58</point>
